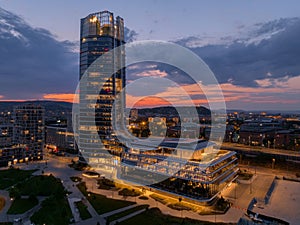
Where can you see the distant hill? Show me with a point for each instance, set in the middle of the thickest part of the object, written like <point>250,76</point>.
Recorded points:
<point>48,105</point>
<point>169,110</point>
<point>54,107</point>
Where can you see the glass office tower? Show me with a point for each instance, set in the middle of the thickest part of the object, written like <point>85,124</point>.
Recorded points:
<point>100,33</point>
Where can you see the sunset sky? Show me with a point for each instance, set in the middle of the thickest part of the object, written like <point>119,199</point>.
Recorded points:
<point>252,47</point>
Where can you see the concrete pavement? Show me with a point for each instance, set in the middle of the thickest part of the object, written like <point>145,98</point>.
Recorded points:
<point>3,212</point>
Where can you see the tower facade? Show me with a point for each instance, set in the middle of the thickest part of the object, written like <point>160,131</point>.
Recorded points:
<point>100,33</point>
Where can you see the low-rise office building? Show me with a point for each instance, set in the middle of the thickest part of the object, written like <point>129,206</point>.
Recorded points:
<point>199,176</point>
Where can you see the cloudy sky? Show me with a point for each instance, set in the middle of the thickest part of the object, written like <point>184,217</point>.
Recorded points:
<point>252,47</point>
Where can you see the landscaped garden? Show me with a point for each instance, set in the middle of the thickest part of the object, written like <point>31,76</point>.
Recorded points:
<point>38,186</point>
<point>2,203</point>
<point>105,184</point>
<point>129,192</point>
<point>55,210</point>
<point>76,179</point>
<point>22,205</point>
<point>244,175</point>
<point>126,213</point>
<point>155,216</point>
<point>12,176</point>
<point>101,203</point>
<point>83,211</point>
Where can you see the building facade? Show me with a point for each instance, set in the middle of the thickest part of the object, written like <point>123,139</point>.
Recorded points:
<point>101,32</point>
<point>29,131</point>
<point>200,177</point>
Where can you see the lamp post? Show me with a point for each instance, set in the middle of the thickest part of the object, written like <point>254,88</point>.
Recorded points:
<point>235,187</point>
<point>273,163</point>
<point>215,216</point>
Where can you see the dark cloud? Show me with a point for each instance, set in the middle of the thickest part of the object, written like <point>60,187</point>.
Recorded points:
<point>130,35</point>
<point>266,50</point>
<point>271,50</point>
<point>33,62</point>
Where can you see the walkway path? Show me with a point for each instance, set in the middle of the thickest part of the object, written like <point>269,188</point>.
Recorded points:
<point>117,211</point>
<point>3,212</point>
<point>127,217</point>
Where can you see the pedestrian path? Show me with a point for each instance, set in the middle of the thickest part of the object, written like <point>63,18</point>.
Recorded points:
<point>118,211</point>
<point>127,217</point>
<point>3,212</point>
<point>74,210</point>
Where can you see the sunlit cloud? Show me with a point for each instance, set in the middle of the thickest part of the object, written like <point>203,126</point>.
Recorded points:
<point>279,92</point>
<point>152,73</point>
<point>61,97</point>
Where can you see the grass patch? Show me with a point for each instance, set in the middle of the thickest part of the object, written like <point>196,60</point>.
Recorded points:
<point>12,176</point>
<point>76,179</point>
<point>6,223</point>
<point>22,205</point>
<point>154,216</point>
<point>179,206</point>
<point>244,175</point>
<point>101,203</point>
<point>55,211</point>
<point>159,199</point>
<point>83,211</point>
<point>143,197</point>
<point>79,166</point>
<point>222,205</point>
<point>2,203</point>
<point>127,192</point>
<point>106,184</point>
<point>41,185</point>
<point>126,213</point>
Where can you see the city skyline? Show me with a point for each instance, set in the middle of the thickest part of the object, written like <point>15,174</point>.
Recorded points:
<point>166,112</point>
<point>254,59</point>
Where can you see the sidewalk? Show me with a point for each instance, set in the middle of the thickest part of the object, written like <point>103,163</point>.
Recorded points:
<point>117,211</point>
<point>3,212</point>
<point>127,217</point>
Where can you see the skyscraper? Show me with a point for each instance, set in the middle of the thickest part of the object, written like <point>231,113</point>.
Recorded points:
<point>100,33</point>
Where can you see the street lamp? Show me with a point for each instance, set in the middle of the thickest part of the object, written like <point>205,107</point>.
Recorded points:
<point>273,163</point>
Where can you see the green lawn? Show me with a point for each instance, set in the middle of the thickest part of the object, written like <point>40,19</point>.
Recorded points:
<point>128,192</point>
<point>101,203</point>
<point>54,211</point>
<point>179,206</point>
<point>2,203</point>
<point>105,184</point>
<point>154,216</point>
<point>159,199</point>
<point>22,205</point>
<point>41,185</point>
<point>12,176</point>
<point>83,211</point>
<point>76,179</point>
<point>127,212</point>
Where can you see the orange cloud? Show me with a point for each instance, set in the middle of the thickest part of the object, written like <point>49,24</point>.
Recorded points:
<point>61,97</point>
